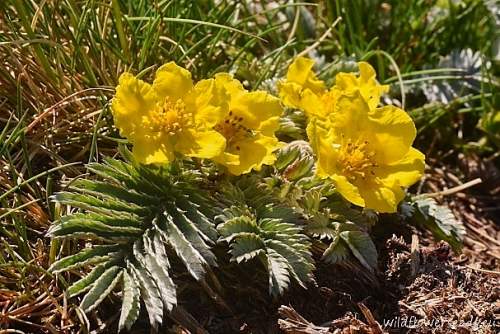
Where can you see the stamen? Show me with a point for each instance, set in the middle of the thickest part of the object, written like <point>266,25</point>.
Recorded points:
<point>171,117</point>
<point>356,159</point>
<point>233,130</point>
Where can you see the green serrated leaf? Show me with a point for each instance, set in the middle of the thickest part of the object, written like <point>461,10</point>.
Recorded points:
<point>99,206</point>
<point>336,252</point>
<point>301,263</point>
<point>118,220</point>
<point>131,303</point>
<point>362,247</point>
<point>86,256</point>
<point>94,227</point>
<point>230,229</point>
<point>279,279</point>
<point>192,234</point>
<point>205,226</point>
<point>159,249</point>
<point>78,201</point>
<point>286,242</point>
<point>246,247</point>
<point>120,210</point>
<point>86,282</point>
<point>163,280</point>
<point>322,227</point>
<point>192,259</point>
<point>149,293</point>
<point>279,211</point>
<point>151,260</point>
<point>109,173</point>
<point>101,288</point>
<point>125,153</point>
<point>117,193</point>
<point>439,220</point>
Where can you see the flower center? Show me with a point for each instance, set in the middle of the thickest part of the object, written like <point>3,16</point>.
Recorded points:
<point>171,117</point>
<point>356,159</point>
<point>233,129</point>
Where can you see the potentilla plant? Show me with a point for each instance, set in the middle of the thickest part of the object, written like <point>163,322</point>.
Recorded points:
<point>209,166</point>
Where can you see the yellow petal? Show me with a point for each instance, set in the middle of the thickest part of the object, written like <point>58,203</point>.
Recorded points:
<point>404,172</point>
<point>349,191</point>
<point>350,118</point>
<point>346,82</point>
<point>301,80</point>
<point>232,86</point>
<point>200,144</point>
<point>259,111</point>
<point>153,150</point>
<point>365,194</point>
<point>385,191</point>
<point>370,89</point>
<point>292,95</point>
<point>172,81</point>
<point>327,155</point>
<point>253,154</point>
<point>301,73</point>
<point>366,72</point>
<point>134,99</point>
<point>313,104</point>
<point>329,102</point>
<point>289,94</point>
<point>209,102</point>
<point>227,159</point>
<point>317,129</point>
<point>366,84</point>
<point>392,133</point>
<point>379,197</point>
<point>326,168</point>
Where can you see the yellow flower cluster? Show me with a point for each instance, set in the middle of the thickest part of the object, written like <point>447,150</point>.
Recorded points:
<point>364,149</point>
<point>214,119</point>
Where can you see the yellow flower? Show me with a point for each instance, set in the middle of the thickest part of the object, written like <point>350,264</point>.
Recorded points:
<point>366,84</point>
<point>301,84</point>
<point>367,153</point>
<point>171,115</point>
<point>302,89</point>
<point>248,127</point>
